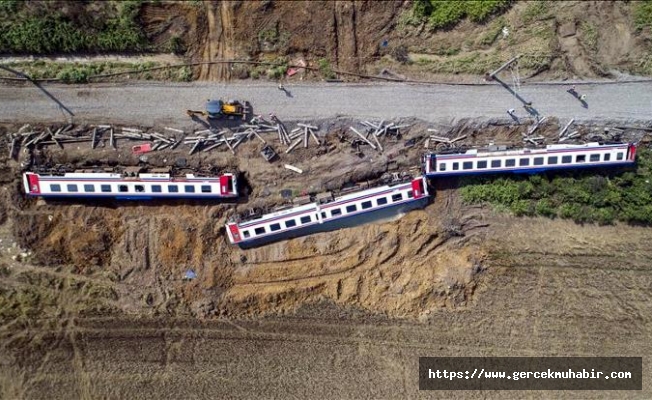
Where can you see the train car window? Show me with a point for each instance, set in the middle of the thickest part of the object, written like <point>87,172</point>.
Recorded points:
<point>189,188</point>
<point>381,201</point>
<point>495,163</point>
<point>156,189</point>
<point>305,220</point>
<point>607,156</point>
<point>323,215</point>
<point>336,212</point>
<point>366,204</point>
<point>55,187</point>
<point>140,188</point>
<point>482,164</point>
<point>397,197</point>
<point>552,160</point>
<point>275,227</point>
<point>259,231</point>
<point>173,189</point>
<point>594,157</point>
<point>467,165</point>
<point>351,208</point>
<point>89,188</point>
<point>566,159</point>
<point>442,166</point>
<point>456,166</point>
<point>538,160</point>
<point>72,187</point>
<point>246,234</point>
<point>410,194</point>
<point>105,188</point>
<point>523,162</point>
<point>580,158</point>
<point>510,163</point>
<point>619,156</point>
<point>123,188</point>
<point>205,188</point>
<point>290,223</point>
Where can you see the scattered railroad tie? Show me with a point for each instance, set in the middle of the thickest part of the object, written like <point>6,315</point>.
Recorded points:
<point>364,139</point>
<point>442,143</point>
<point>13,147</point>
<point>377,130</point>
<point>293,168</point>
<point>565,135</point>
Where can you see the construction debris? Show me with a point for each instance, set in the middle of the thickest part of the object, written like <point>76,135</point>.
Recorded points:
<point>441,143</point>
<point>293,168</point>
<point>376,131</point>
<point>268,153</point>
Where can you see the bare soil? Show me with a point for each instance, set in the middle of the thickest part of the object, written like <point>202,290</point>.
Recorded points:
<point>93,301</point>
<point>558,40</point>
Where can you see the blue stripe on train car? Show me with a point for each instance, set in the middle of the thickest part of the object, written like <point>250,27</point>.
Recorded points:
<point>525,170</point>
<point>344,222</point>
<point>126,197</point>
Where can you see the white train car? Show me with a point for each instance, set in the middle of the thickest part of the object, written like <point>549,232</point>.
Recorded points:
<point>340,212</point>
<point>143,186</point>
<point>553,157</point>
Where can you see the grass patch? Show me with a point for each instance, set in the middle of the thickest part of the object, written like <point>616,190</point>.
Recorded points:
<point>42,29</point>
<point>472,63</point>
<point>582,197</point>
<point>536,11</point>
<point>443,14</point>
<point>273,39</point>
<point>642,14</point>
<point>589,36</point>
<point>644,65</point>
<point>326,69</point>
<point>70,72</point>
<point>494,31</point>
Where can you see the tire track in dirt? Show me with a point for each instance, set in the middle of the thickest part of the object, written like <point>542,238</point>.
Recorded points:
<point>218,43</point>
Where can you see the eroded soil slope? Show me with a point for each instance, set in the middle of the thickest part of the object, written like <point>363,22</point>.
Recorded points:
<point>556,39</point>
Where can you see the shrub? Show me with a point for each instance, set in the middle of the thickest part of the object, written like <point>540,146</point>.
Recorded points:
<point>73,75</point>
<point>41,31</point>
<point>642,14</point>
<point>175,45</point>
<point>326,69</point>
<point>582,196</point>
<point>544,207</point>
<point>521,208</point>
<point>442,14</point>
<point>185,74</point>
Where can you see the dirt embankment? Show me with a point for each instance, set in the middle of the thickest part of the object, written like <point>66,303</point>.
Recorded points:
<point>141,252</point>
<point>93,301</point>
<point>556,39</point>
<point>425,260</point>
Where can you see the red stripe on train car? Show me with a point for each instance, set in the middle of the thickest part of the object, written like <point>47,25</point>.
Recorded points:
<point>417,188</point>
<point>632,152</point>
<point>34,187</point>
<point>235,232</point>
<point>224,184</point>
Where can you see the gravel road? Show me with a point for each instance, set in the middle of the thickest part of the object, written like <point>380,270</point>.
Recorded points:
<point>157,103</point>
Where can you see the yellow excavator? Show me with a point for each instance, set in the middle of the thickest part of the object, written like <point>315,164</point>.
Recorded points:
<point>218,109</point>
